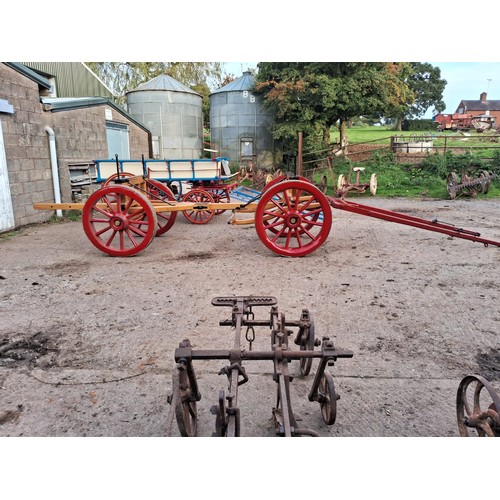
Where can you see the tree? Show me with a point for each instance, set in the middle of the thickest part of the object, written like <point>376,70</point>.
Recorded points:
<point>311,96</point>
<point>122,77</point>
<point>427,87</point>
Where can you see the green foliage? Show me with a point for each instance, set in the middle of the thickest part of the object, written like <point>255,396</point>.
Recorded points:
<point>427,179</point>
<point>67,216</point>
<point>122,77</point>
<point>419,125</point>
<point>307,96</point>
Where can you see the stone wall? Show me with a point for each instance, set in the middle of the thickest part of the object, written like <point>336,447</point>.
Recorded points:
<point>80,137</point>
<point>26,147</point>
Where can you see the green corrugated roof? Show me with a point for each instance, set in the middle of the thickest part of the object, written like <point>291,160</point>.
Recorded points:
<point>55,104</point>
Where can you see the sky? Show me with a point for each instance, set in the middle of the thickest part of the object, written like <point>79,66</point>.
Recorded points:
<point>465,80</point>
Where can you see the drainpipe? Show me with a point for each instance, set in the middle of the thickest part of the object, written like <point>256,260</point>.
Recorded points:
<point>55,170</point>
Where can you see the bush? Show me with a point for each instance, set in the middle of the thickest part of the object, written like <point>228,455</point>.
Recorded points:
<point>418,125</point>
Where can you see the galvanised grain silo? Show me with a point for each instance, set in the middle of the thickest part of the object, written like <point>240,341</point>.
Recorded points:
<point>173,113</point>
<point>239,124</point>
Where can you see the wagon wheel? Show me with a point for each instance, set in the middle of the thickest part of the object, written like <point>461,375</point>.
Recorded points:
<point>373,184</point>
<point>220,195</point>
<point>299,212</point>
<point>159,192</point>
<point>341,182</point>
<point>270,221</point>
<point>119,220</point>
<point>327,398</point>
<point>281,178</point>
<point>323,184</point>
<point>452,180</point>
<point>113,177</point>
<point>198,216</point>
<point>186,414</point>
<point>486,183</point>
<point>220,415</point>
<point>307,344</point>
<point>478,411</point>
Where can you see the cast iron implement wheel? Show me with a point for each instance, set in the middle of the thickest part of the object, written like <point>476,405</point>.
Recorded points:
<point>293,218</point>
<point>119,220</point>
<point>307,343</point>
<point>373,184</point>
<point>478,411</point>
<point>327,398</point>
<point>198,216</point>
<point>186,413</point>
<point>159,193</point>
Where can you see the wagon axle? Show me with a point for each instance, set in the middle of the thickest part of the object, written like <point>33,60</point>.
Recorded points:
<point>292,216</point>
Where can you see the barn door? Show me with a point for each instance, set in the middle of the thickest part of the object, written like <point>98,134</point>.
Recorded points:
<point>118,142</point>
<point>6,211</point>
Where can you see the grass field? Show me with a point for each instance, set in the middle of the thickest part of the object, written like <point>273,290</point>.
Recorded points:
<point>467,153</point>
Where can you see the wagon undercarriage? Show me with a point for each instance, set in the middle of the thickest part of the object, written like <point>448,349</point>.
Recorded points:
<point>292,216</point>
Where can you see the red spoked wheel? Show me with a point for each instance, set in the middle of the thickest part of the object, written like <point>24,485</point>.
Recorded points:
<point>220,195</point>
<point>119,220</point>
<point>282,178</point>
<point>198,216</point>
<point>159,192</point>
<point>293,218</point>
<point>113,177</point>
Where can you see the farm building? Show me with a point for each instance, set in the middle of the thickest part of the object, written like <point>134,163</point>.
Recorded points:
<point>480,107</point>
<point>240,127</point>
<point>48,143</point>
<point>173,113</point>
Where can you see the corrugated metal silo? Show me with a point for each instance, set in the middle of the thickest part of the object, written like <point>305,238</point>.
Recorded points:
<point>173,113</point>
<point>239,124</point>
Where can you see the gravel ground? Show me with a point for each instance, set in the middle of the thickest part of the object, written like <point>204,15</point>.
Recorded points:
<point>92,337</point>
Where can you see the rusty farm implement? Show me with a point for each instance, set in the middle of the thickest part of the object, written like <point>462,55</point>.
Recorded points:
<point>185,389</point>
<point>292,216</point>
<point>478,408</point>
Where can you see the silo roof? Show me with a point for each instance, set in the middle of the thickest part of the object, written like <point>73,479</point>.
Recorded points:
<point>164,82</point>
<point>244,82</point>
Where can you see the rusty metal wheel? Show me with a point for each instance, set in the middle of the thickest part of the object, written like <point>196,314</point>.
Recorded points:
<point>293,218</point>
<point>202,197</point>
<point>452,181</point>
<point>478,411</point>
<point>159,192</point>
<point>219,411</point>
<point>485,182</point>
<point>186,413</point>
<point>307,344</point>
<point>327,398</point>
<point>119,220</point>
<point>323,184</point>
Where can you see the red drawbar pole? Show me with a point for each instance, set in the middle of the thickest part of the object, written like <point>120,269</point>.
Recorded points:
<point>408,220</point>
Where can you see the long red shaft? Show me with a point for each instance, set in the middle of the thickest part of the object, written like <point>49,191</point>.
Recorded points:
<point>408,220</point>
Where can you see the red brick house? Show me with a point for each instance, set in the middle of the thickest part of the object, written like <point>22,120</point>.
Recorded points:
<point>483,106</point>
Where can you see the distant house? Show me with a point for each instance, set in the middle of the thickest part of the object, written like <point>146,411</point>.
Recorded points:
<point>46,137</point>
<point>480,107</point>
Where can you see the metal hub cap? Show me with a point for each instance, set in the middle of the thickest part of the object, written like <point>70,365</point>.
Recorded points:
<point>293,220</point>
